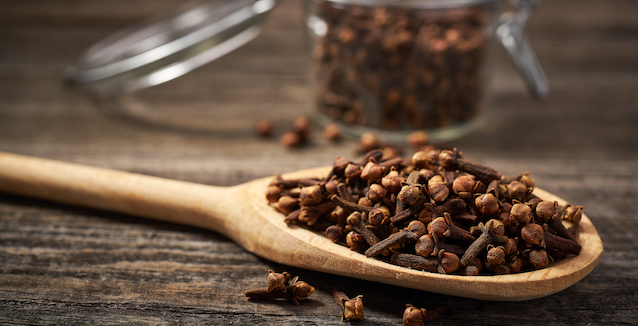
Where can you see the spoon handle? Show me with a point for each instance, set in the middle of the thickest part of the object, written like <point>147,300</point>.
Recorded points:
<point>134,194</point>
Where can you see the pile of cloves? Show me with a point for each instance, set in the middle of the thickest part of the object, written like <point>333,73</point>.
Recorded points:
<point>281,286</point>
<point>399,67</point>
<point>437,212</point>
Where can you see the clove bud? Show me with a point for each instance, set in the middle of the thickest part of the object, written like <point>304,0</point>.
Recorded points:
<point>413,316</point>
<point>352,308</point>
<point>279,286</point>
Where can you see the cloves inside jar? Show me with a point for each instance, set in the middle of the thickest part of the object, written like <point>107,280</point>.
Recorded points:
<point>436,212</point>
<point>400,65</point>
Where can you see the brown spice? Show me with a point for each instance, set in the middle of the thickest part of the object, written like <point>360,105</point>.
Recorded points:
<point>290,140</point>
<point>332,132</point>
<point>390,68</point>
<point>280,286</point>
<point>413,316</point>
<point>352,308</point>
<point>388,214</point>
<point>418,139</point>
<point>264,128</point>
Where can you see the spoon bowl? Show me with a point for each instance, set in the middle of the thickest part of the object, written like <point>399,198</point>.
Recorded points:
<point>243,214</point>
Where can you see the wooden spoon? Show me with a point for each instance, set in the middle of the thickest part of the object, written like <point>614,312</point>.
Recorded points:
<point>242,213</point>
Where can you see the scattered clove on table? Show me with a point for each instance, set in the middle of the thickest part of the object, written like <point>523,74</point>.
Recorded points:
<point>352,308</point>
<point>413,316</point>
<point>281,286</point>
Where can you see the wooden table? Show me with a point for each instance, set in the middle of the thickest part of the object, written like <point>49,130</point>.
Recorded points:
<point>68,265</point>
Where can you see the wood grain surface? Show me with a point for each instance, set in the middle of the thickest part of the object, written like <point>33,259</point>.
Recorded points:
<point>62,264</point>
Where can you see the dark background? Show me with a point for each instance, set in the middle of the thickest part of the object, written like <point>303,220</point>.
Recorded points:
<point>68,265</point>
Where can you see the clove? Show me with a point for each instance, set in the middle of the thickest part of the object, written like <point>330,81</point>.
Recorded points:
<point>412,233</point>
<point>280,286</point>
<point>352,308</point>
<point>357,221</point>
<point>413,316</point>
<point>453,160</point>
<point>491,231</point>
<point>350,206</point>
<point>455,232</point>
<point>404,214</point>
<point>415,262</point>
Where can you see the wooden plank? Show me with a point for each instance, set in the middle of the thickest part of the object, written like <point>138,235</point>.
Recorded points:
<point>68,265</point>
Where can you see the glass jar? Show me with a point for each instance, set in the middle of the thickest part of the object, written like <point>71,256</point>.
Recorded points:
<point>396,66</point>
